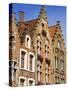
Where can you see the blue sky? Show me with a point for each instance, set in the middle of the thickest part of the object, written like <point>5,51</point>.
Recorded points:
<point>53,13</point>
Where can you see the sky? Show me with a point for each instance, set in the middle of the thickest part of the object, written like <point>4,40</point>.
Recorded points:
<point>53,13</point>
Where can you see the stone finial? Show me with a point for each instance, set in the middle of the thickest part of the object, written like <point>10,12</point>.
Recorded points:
<point>42,12</point>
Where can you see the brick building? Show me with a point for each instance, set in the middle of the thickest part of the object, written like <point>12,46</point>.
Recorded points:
<point>36,51</point>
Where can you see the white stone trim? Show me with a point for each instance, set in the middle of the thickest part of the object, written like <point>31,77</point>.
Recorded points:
<point>25,61</point>
<point>21,77</point>
<point>33,62</point>
<point>29,44</point>
<point>31,80</point>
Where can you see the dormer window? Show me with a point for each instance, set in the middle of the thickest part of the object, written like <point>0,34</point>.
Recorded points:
<point>28,41</point>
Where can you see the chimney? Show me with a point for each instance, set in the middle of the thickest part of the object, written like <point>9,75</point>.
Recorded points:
<point>21,16</point>
<point>21,24</point>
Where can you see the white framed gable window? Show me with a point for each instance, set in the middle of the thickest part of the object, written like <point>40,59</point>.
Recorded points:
<point>28,41</point>
<point>22,81</point>
<point>31,61</point>
<point>31,82</point>
<point>23,59</point>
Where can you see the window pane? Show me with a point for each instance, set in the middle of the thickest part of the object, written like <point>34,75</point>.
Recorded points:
<point>22,81</point>
<point>30,83</point>
<point>31,60</point>
<point>22,59</point>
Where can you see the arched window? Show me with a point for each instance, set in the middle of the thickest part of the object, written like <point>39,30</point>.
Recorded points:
<point>28,41</point>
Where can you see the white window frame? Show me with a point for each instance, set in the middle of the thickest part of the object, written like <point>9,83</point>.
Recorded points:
<point>25,84</point>
<point>29,44</point>
<point>25,61</point>
<point>33,62</point>
<point>31,79</point>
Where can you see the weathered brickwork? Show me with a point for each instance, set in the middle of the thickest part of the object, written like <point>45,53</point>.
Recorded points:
<point>36,51</point>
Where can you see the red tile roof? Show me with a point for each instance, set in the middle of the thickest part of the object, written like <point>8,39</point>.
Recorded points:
<point>53,30</point>
<point>30,24</point>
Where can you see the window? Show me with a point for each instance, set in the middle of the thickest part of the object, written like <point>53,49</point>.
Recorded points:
<point>56,80</point>
<point>39,47</point>
<point>46,73</point>
<point>42,24</point>
<point>22,81</point>
<point>13,75</point>
<point>23,59</point>
<point>31,58</point>
<point>31,61</point>
<point>39,72</point>
<point>46,76</point>
<point>31,82</point>
<point>28,41</point>
<point>46,48</point>
<point>61,64</point>
<point>59,44</point>
<point>56,62</point>
<point>62,80</point>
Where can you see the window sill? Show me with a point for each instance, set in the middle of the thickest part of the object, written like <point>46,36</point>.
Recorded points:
<point>26,69</point>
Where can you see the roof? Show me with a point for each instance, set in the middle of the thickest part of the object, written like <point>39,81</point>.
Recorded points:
<point>30,24</point>
<point>53,30</point>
